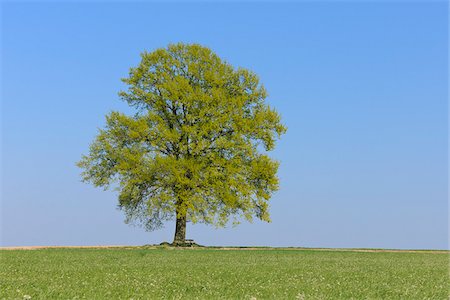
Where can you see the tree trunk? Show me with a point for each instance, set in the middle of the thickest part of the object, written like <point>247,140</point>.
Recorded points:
<point>180,231</point>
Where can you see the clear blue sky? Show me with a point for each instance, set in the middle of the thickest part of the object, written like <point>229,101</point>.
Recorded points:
<point>362,88</point>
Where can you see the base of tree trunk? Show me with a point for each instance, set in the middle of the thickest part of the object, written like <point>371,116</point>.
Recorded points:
<point>180,244</point>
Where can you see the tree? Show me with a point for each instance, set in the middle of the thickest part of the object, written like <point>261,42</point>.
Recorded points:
<point>194,149</point>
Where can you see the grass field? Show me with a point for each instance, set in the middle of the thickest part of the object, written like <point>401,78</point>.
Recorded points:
<point>137,273</point>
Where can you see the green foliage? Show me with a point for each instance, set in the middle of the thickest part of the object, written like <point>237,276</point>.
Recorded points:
<point>193,147</point>
<point>222,274</point>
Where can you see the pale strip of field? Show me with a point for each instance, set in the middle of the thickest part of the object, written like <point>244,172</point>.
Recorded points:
<point>62,247</point>
<point>223,248</point>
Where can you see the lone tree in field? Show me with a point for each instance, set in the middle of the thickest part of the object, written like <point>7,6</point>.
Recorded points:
<point>191,150</point>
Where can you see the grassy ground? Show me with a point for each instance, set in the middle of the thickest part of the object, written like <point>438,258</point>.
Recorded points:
<point>136,273</point>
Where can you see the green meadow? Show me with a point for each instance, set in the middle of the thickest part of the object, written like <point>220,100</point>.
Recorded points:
<point>208,273</point>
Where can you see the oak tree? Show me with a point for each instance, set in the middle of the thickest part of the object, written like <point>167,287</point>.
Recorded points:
<point>196,147</point>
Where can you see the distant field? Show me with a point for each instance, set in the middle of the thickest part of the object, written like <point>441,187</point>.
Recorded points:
<point>137,273</point>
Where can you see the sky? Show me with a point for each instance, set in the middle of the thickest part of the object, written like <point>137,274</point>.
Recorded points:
<point>362,88</point>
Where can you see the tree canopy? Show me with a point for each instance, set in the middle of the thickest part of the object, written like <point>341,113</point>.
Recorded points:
<point>196,147</point>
